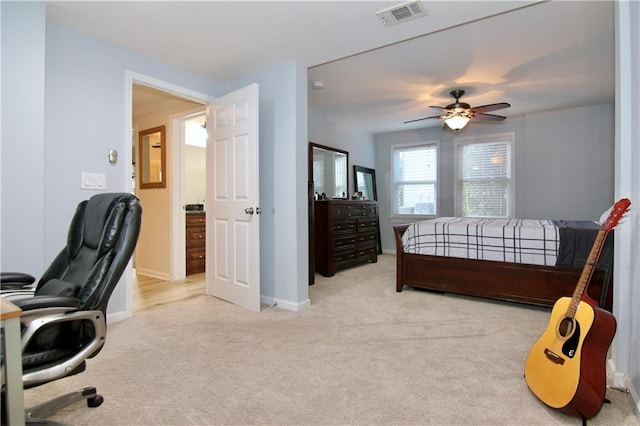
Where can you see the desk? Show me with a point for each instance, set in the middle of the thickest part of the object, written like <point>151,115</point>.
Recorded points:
<point>12,368</point>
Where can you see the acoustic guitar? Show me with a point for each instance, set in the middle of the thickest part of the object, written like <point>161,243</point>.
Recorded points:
<point>566,367</point>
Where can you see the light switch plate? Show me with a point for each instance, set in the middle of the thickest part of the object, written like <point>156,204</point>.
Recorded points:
<point>93,181</point>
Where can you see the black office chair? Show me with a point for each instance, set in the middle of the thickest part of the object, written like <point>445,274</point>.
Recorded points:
<point>63,319</point>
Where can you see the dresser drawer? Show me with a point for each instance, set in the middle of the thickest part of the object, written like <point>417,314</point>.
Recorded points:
<point>195,261</point>
<point>340,258</point>
<point>195,237</point>
<point>364,252</point>
<point>336,212</point>
<point>344,226</point>
<point>195,220</point>
<point>360,209</point>
<point>342,242</point>
<point>197,255</point>
<point>366,225</point>
<point>367,238</point>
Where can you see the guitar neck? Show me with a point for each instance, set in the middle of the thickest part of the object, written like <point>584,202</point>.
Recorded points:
<point>587,272</point>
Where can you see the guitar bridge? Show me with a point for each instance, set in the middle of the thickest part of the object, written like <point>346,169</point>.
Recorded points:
<point>553,357</point>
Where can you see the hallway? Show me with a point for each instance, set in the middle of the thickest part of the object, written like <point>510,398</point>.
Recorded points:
<point>150,292</point>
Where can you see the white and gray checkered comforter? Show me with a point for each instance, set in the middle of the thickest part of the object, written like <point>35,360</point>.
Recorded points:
<point>506,240</point>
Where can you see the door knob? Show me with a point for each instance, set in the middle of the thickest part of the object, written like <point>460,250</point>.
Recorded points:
<point>248,210</point>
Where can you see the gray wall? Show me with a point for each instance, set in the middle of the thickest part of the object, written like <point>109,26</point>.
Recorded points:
<point>563,165</point>
<point>361,147</point>
<point>23,98</point>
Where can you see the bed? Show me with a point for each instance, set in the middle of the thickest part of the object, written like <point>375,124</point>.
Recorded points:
<point>533,262</point>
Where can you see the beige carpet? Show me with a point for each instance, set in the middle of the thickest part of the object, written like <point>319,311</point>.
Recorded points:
<point>362,354</point>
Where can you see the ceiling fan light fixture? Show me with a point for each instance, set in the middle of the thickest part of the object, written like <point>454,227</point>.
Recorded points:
<point>456,122</point>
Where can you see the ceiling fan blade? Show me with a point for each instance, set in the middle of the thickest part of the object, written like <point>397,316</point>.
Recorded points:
<point>420,119</point>
<point>488,117</point>
<point>490,107</point>
<point>439,108</point>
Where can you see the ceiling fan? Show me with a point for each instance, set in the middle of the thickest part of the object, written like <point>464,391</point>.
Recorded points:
<point>458,114</point>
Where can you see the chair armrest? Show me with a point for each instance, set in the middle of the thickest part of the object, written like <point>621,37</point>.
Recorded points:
<point>16,284</point>
<point>50,303</point>
<point>16,278</point>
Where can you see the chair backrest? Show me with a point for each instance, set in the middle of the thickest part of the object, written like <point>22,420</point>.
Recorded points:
<point>101,240</point>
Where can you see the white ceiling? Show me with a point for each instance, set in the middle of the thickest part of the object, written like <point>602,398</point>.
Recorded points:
<point>536,56</point>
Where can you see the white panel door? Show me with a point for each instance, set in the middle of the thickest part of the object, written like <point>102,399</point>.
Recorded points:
<point>233,221</point>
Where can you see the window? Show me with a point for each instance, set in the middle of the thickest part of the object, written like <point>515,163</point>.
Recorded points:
<point>415,179</point>
<point>484,184</point>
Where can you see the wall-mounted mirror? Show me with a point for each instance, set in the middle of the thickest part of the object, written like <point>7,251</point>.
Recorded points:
<point>364,180</point>
<point>328,171</point>
<point>152,152</point>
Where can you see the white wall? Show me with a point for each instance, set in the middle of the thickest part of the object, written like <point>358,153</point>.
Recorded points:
<point>563,165</point>
<point>626,350</point>
<point>195,174</point>
<point>283,183</point>
<point>22,150</point>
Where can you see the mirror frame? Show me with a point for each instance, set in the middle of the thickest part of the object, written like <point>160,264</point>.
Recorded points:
<point>372,172</point>
<point>163,158</point>
<point>311,203</point>
<point>327,148</point>
<point>368,171</point>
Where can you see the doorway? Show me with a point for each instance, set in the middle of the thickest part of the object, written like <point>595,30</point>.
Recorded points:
<point>159,274</point>
<point>232,192</point>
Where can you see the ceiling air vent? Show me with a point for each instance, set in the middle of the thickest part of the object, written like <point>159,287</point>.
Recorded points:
<point>401,13</point>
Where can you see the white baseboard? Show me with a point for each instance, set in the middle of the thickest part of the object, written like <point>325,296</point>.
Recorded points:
<point>284,304</point>
<point>622,381</point>
<point>153,274</point>
<point>636,400</point>
<point>116,317</point>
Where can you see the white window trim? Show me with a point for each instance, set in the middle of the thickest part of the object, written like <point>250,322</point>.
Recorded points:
<point>466,140</point>
<point>406,218</point>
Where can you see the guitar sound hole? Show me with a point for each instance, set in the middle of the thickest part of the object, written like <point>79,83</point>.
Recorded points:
<point>566,327</point>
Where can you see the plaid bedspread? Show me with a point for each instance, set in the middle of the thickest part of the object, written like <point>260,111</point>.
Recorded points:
<point>506,240</point>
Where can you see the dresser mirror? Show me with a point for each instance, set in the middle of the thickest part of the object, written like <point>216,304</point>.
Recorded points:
<point>328,174</point>
<point>328,171</point>
<point>152,158</point>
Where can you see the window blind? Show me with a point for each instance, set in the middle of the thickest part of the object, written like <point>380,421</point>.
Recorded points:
<point>415,179</point>
<point>484,179</point>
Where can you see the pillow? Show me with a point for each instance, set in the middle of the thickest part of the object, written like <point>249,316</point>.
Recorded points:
<point>56,287</point>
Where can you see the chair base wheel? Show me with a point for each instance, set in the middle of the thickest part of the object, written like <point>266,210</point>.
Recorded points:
<point>96,401</point>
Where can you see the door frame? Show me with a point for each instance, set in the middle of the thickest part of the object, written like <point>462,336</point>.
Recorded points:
<point>132,77</point>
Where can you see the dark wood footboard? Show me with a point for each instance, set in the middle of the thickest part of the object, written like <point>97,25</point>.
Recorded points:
<point>532,284</point>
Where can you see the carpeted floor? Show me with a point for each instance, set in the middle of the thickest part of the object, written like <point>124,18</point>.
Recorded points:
<point>361,354</point>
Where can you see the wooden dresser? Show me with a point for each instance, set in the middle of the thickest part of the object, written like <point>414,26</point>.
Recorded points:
<point>345,234</point>
<point>195,239</point>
